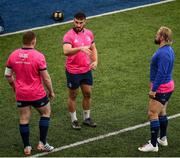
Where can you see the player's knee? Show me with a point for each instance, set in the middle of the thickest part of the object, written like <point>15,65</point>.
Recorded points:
<point>46,113</point>
<point>152,114</point>
<point>73,96</point>
<point>87,95</point>
<point>24,119</point>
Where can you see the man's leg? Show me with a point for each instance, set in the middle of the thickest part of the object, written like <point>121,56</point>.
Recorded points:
<point>72,103</point>
<point>153,112</point>
<point>163,126</point>
<point>45,112</point>
<point>72,108</point>
<point>25,114</point>
<point>163,119</point>
<point>86,103</point>
<point>73,88</point>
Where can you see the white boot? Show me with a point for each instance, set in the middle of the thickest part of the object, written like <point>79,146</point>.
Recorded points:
<point>163,141</point>
<point>148,148</point>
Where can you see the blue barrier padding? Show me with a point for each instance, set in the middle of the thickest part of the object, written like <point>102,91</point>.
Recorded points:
<point>24,14</point>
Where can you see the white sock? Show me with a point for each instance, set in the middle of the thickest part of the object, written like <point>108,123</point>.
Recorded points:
<point>86,114</point>
<point>73,116</point>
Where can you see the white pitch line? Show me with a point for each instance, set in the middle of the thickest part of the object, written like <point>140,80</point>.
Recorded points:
<point>90,17</point>
<point>100,137</point>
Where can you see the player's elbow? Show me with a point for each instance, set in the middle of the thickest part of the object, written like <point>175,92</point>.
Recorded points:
<point>47,81</point>
<point>66,52</point>
<point>9,78</point>
<point>46,78</point>
<point>8,72</point>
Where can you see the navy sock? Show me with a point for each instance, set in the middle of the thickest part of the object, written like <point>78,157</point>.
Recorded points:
<point>43,128</point>
<point>163,125</point>
<point>154,124</point>
<point>24,131</point>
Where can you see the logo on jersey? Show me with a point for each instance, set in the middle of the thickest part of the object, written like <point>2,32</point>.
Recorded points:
<point>23,59</point>
<point>23,56</point>
<point>88,38</point>
<point>76,40</point>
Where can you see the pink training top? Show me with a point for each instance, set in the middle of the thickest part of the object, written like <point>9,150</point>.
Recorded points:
<point>26,63</point>
<point>165,88</point>
<point>80,62</point>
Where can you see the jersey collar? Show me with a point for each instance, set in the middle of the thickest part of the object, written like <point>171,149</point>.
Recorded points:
<point>77,31</point>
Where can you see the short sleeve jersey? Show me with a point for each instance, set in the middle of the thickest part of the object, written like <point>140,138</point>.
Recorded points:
<point>27,63</point>
<point>80,62</point>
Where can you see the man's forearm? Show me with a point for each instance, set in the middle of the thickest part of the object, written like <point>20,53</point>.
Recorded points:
<point>71,51</point>
<point>10,80</point>
<point>48,84</point>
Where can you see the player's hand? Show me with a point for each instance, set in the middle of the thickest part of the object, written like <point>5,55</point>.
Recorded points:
<point>152,94</point>
<point>52,95</point>
<point>86,49</point>
<point>93,65</point>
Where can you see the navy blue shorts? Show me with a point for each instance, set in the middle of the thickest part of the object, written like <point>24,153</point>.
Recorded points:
<point>163,97</point>
<point>75,80</point>
<point>37,103</point>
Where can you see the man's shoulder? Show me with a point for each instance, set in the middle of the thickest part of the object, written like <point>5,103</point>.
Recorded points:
<point>16,50</point>
<point>69,36</point>
<point>38,53</point>
<point>88,31</point>
<point>162,50</point>
<point>13,53</point>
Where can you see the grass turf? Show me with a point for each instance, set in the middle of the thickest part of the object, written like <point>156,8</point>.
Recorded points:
<point>125,46</point>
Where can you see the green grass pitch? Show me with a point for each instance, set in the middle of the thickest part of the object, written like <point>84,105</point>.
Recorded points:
<point>121,84</point>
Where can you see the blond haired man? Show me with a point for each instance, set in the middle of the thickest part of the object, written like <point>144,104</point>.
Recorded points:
<point>162,86</point>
